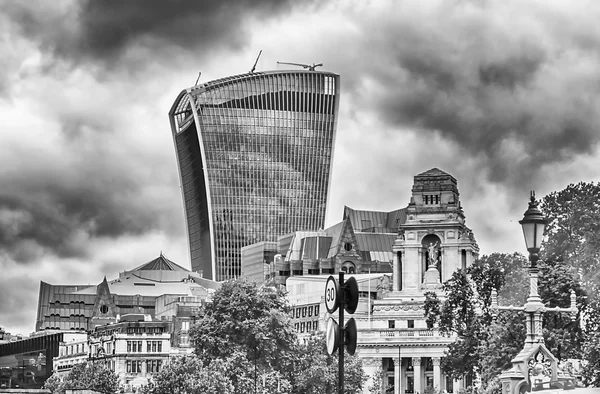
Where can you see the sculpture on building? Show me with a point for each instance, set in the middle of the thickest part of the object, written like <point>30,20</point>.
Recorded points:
<point>433,252</point>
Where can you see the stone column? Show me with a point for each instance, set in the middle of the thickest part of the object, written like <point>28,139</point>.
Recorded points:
<point>397,375</point>
<point>418,374</point>
<point>370,366</point>
<point>396,277</point>
<point>437,374</point>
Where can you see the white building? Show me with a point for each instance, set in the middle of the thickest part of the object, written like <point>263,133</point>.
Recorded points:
<point>432,242</point>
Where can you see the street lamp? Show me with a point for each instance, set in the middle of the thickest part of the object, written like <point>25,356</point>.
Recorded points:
<point>534,353</point>
<point>533,225</point>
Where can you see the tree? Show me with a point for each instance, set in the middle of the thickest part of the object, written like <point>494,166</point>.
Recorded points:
<point>248,331</point>
<point>377,387</point>
<point>318,371</point>
<point>465,312</point>
<point>248,326</point>
<point>573,245</point>
<point>88,375</point>
<point>187,375</point>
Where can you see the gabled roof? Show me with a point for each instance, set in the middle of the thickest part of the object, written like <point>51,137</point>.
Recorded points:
<point>386,222</point>
<point>161,263</point>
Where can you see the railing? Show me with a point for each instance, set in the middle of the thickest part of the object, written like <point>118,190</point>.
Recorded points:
<point>397,333</point>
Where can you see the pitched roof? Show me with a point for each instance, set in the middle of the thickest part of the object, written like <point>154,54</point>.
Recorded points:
<point>434,172</point>
<point>386,222</point>
<point>161,263</point>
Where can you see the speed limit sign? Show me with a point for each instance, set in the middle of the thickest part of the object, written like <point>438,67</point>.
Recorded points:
<point>332,299</point>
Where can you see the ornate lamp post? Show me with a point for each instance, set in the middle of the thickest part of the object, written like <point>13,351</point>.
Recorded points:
<point>534,354</point>
<point>533,225</point>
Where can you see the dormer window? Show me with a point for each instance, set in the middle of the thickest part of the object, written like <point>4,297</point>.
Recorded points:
<point>431,199</point>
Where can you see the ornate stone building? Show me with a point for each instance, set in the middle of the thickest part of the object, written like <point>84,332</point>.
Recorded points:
<point>432,243</point>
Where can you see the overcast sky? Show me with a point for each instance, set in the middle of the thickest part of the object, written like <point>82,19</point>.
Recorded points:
<point>503,95</point>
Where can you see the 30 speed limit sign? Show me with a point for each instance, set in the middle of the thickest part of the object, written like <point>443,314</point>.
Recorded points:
<point>332,299</point>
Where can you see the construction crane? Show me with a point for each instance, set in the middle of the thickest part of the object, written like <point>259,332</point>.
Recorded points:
<point>256,62</point>
<point>309,67</point>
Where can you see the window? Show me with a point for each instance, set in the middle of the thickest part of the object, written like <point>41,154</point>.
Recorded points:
<point>154,346</point>
<point>185,325</point>
<point>304,312</point>
<point>391,324</point>
<point>347,246</point>
<point>134,346</point>
<point>134,366</point>
<point>316,310</point>
<point>411,324</point>
<point>310,311</point>
<point>153,366</point>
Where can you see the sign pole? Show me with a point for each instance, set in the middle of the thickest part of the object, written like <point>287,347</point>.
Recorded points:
<point>341,331</point>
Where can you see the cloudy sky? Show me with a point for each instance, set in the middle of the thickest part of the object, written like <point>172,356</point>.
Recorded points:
<point>504,95</point>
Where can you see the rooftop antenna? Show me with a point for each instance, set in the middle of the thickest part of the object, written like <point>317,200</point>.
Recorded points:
<point>256,62</point>
<point>197,79</point>
<point>309,67</point>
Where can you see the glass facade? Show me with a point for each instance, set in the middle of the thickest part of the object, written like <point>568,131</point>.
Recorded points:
<point>254,153</point>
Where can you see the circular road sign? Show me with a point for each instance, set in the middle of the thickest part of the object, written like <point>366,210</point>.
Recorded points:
<point>332,336</point>
<point>332,299</point>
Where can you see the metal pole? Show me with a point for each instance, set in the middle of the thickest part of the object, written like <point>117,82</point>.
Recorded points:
<point>341,333</point>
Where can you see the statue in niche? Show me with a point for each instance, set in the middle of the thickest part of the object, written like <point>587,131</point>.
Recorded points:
<point>433,251</point>
<point>401,234</point>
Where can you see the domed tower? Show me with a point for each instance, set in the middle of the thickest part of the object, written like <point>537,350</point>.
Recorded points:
<point>434,241</point>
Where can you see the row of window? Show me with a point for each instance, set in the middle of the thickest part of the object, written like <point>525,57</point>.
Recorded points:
<point>152,366</point>
<point>145,330</point>
<point>137,346</point>
<point>429,199</point>
<point>306,311</point>
<point>409,324</point>
<point>308,326</point>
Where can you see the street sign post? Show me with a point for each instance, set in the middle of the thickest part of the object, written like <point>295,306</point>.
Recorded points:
<point>343,296</point>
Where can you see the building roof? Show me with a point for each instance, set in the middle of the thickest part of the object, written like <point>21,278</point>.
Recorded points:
<point>434,172</point>
<point>161,263</point>
<point>375,221</point>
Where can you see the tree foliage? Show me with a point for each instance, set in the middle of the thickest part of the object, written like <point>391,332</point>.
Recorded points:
<point>245,343</point>
<point>187,375</point>
<point>88,375</point>
<point>482,345</point>
<point>572,250</point>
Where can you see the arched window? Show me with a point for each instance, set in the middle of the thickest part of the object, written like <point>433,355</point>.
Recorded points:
<point>348,267</point>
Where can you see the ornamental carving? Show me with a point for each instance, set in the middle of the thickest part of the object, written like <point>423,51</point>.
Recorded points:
<point>372,362</point>
<point>416,361</point>
<point>421,234</point>
<point>398,308</point>
<point>539,368</point>
<point>436,361</point>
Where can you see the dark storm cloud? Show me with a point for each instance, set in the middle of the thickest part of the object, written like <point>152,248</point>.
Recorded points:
<point>515,84</point>
<point>102,30</point>
<point>82,189</point>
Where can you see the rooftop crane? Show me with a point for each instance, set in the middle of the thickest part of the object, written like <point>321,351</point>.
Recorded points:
<point>309,67</point>
<point>256,62</point>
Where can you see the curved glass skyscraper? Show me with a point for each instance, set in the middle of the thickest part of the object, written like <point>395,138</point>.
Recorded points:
<point>254,153</point>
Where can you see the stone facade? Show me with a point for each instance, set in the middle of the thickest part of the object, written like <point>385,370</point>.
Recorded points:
<point>431,244</point>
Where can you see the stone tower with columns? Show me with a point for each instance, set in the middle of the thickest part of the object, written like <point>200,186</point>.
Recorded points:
<point>432,243</point>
